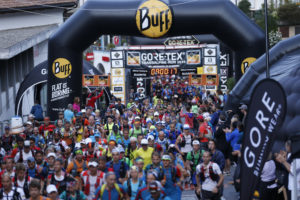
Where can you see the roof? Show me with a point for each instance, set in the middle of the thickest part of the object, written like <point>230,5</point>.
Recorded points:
<point>15,41</point>
<point>6,4</point>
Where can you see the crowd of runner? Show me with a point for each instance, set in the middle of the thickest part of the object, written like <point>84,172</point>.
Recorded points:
<point>154,147</point>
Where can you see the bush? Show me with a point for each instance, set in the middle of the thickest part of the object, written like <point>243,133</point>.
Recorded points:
<point>230,83</point>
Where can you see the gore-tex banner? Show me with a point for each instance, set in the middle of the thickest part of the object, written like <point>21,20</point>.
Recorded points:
<point>164,58</point>
<point>266,114</point>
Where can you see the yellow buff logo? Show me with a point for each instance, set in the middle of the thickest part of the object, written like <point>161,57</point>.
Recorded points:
<point>154,18</point>
<point>246,63</point>
<point>61,68</point>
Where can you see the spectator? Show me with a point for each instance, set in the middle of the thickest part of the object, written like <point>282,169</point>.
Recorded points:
<point>68,113</point>
<point>76,104</point>
<point>37,111</point>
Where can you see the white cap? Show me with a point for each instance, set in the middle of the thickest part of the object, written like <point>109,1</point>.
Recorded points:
<point>186,126</point>
<point>28,123</point>
<point>196,142</point>
<point>150,137</point>
<point>51,188</point>
<point>156,114</point>
<point>133,139</point>
<point>27,143</point>
<point>83,111</point>
<point>93,164</point>
<point>51,154</point>
<point>144,141</point>
<point>137,118</point>
<point>115,150</point>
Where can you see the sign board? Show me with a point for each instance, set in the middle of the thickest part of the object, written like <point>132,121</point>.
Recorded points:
<point>265,115</point>
<point>90,56</point>
<point>118,83</point>
<point>95,80</point>
<point>116,40</point>
<point>164,58</point>
<point>200,79</point>
<point>181,41</point>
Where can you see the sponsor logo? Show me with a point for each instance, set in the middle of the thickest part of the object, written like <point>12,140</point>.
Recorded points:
<point>246,63</point>
<point>61,68</point>
<point>153,18</point>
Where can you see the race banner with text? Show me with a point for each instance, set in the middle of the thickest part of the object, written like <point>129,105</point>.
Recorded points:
<point>164,58</point>
<point>265,116</point>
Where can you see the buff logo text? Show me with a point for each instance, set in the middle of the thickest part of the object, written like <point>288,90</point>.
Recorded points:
<point>159,19</point>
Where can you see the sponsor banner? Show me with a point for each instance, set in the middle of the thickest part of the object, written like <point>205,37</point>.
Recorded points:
<point>60,91</point>
<point>116,55</point>
<point>181,41</point>
<point>210,69</point>
<point>117,63</point>
<point>62,70</point>
<point>265,115</point>
<point>212,80</point>
<point>95,80</point>
<point>139,72</point>
<point>118,89</point>
<point>117,80</point>
<point>140,83</point>
<point>118,83</point>
<point>117,72</point>
<point>164,58</point>
<point>223,78</point>
<point>193,57</point>
<point>188,71</point>
<point>210,52</point>
<point>210,61</point>
<point>196,79</point>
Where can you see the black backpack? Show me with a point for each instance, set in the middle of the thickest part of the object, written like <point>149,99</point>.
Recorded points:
<point>129,186</point>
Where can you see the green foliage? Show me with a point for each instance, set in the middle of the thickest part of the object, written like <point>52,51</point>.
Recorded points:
<point>259,17</point>
<point>289,13</point>
<point>244,5</point>
<point>110,46</point>
<point>230,83</point>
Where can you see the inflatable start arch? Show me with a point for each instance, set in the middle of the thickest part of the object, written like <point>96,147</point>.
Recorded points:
<point>151,18</point>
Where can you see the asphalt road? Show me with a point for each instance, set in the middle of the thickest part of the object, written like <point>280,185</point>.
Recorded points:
<point>229,192</point>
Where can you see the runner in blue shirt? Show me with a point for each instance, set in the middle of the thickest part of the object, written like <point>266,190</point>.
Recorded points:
<point>133,184</point>
<point>119,167</point>
<point>110,190</point>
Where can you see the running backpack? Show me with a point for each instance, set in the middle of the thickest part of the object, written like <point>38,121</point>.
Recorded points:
<point>117,188</point>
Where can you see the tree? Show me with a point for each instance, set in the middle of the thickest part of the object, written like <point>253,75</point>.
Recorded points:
<point>289,13</point>
<point>245,5</point>
<point>259,17</point>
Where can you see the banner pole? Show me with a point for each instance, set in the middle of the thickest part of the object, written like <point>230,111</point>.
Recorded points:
<point>267,39</point>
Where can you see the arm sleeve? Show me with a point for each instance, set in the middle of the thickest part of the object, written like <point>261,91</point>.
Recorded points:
<point>97,97</point>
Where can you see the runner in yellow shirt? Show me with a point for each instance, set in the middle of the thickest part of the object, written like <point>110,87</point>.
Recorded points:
<point>145,153</point>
